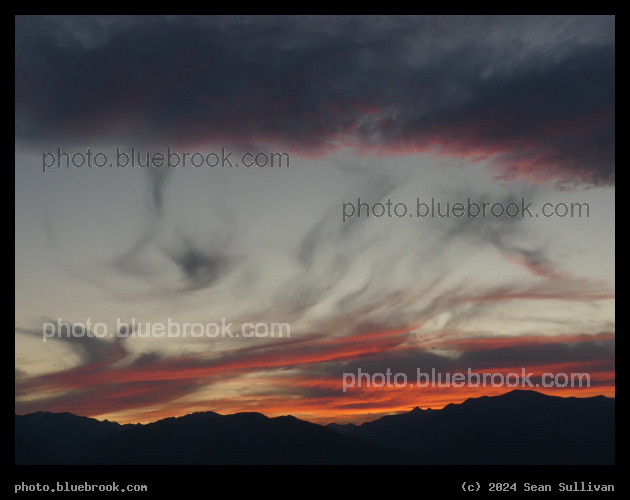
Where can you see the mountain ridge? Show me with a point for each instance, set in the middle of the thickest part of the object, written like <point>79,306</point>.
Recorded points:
<point>518,427</point>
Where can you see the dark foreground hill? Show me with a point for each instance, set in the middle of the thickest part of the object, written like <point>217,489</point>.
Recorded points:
<point>521,427</point>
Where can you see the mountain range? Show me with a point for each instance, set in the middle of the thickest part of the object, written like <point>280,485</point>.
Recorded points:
<point>517,428</point>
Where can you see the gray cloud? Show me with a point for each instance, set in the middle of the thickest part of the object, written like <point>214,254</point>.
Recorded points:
<point>534,93</point>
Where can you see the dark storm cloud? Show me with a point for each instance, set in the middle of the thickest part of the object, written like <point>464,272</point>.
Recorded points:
<point>536,94</point>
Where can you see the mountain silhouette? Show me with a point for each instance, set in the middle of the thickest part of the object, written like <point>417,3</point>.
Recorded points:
<point>198,438</point>
<point>520,427</point>
<point>44,438</point>
<point>516,428</point>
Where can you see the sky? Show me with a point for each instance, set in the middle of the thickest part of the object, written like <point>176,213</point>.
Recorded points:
<point>361,109</point>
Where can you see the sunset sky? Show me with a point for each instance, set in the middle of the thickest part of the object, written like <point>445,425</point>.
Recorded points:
<point>491,109</point>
